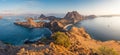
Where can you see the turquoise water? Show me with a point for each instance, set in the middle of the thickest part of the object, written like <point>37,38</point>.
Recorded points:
<point>102,28</point>
<point>16,35</point>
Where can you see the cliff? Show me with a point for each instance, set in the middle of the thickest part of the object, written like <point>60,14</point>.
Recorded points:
<point>42,16</point>
<point>74,15</point>
<point>54,26</point>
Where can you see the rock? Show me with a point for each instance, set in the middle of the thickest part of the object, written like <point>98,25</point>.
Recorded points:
<point>55,23</point>
<point>80,31</point>
<point>54,26</point>
<point>51,17</point>
<point>74,15</point>
<point>42,16</point>
<point>31,22</point>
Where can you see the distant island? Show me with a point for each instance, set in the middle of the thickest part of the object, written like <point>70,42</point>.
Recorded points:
<point>107,15</point>
<point>70,18</point>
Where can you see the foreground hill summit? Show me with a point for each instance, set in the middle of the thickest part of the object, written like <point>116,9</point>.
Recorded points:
<point>80,43</point>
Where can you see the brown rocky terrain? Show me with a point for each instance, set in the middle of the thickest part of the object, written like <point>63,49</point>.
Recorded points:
<point>42,16</point>
<point>70,18</point>
<point>30,23</point>
<point>81,44</point>
<point>73,15</point>
<point>54,26</point>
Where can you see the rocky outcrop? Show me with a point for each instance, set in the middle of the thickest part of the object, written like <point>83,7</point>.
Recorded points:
<point>42,16</point>
<point>51,17</point>
<point>30,23</point>
<point>80,31</point>
<point>74,15</point>
<point>70,18</point>
<point>55,26</point>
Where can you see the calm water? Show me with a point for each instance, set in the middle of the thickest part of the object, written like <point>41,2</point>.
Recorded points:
<point>16,35</point>
<point>103,28</point>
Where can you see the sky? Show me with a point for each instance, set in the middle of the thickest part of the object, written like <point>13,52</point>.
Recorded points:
<point>85,7</point>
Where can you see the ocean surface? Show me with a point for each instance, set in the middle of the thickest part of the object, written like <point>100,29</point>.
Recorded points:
<point>16,35</point>
<point>102,28</point>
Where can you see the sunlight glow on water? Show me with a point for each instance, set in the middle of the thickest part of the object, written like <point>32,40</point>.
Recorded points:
<point>103,28</point>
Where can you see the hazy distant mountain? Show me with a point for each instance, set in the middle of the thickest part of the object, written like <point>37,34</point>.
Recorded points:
<point>73,15</point>
<point>42,16</point>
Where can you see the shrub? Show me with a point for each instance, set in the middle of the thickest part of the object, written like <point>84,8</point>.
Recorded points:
<point>46,40</point>
<point>43,39</point>
<point>106,51</point>
<point>61,38</point>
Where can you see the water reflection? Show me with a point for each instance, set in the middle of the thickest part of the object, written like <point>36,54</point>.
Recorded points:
<point>103,28</point>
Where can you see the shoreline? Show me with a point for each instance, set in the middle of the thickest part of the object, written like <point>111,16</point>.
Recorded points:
<point>75,41</point>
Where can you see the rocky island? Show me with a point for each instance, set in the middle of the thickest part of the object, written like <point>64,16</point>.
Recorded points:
<point>70,18</point>
<point>75,41</point>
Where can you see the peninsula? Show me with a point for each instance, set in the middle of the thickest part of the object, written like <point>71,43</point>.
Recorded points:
<point>75,41</point>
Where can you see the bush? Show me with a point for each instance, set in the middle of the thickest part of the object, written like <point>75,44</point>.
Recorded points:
<point>106,51</point>
<point>61,38</point>
<point>43,39</point>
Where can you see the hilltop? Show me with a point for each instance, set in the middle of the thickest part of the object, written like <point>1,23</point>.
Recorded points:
<point>80,43</point>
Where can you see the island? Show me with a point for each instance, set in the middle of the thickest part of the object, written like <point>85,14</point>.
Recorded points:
<point>75,41</point>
